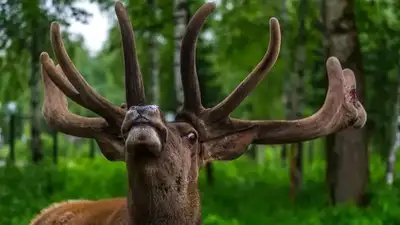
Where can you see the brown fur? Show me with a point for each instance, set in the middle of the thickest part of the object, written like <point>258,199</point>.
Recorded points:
<point>83,212</point>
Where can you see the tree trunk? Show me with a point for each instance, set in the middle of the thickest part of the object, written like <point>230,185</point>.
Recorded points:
<point>251,152</point>
<point>286,85</point>
<point>391,161</point>
<point>34,85</point>
<point>283,155</point>
<point>260,154</point>
<point>297,92</point>
<point>153,56</point>
<point>295,172</point>
<point>311,151</point>
<point>181,14</point>
<point>347,161</point>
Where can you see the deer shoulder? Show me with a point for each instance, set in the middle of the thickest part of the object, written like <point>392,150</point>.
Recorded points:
<point>83,212</point>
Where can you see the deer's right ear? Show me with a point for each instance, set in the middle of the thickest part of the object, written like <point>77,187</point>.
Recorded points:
<point>112,149</point>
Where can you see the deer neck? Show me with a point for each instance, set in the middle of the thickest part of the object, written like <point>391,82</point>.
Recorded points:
<point>156,200</point>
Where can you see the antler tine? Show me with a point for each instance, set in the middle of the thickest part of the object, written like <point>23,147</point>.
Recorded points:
<point>191,89</point>
<point>57,76</point>
<point>90,98</point>
<point>135,94</point>
<point>224,108</point>
<point>55,111</point>
<point>340,110</point>
<point>350,85</point>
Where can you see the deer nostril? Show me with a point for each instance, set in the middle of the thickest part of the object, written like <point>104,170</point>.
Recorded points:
<point>140,110</point>
<point>153,107</point>
<point>146,109</point>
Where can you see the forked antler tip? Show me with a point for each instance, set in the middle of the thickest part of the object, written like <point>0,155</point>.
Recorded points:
<point>44,56</point>
<point>350,84</point>
<point>349,77</point>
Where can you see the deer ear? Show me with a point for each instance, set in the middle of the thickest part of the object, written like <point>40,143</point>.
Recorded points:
<point>112,149</point>
<point>227,147</point>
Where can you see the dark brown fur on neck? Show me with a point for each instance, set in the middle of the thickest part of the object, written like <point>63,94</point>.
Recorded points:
<point>163,197</point>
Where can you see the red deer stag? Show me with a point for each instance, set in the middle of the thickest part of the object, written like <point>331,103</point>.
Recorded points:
<point>163,158</point>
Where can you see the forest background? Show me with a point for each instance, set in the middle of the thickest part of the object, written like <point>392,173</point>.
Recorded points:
<point>346,178</point>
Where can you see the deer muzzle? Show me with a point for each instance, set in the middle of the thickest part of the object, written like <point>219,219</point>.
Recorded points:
<point>144,130</point>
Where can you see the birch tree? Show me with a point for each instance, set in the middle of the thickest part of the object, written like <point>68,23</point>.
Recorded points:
<point>391,161</point>
<point>181,18</point>
<point>153,58</point>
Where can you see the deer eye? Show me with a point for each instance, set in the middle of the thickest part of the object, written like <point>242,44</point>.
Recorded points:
<point>191,136</point>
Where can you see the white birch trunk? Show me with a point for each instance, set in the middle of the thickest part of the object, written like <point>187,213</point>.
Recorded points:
<point>391,161</point>
<point>180,19</point>
<point>154,59</point>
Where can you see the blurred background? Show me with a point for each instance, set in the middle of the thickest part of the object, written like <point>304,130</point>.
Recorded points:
<point>346,178</point>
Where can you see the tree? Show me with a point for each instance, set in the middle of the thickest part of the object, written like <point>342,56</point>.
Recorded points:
<point>181,18</point>
<point>347,158</point>
<point>296,103</point>
<point>153,56</point>
<point>25,25</point>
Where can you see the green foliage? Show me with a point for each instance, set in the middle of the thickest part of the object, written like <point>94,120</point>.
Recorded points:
<point>378,27</point>
<point>244,193</point>
<point>24,33</point>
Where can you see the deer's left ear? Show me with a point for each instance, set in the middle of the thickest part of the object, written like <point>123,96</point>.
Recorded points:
<point>228,147</point>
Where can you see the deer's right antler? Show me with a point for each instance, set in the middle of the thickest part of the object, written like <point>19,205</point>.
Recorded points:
<point>65,79</point>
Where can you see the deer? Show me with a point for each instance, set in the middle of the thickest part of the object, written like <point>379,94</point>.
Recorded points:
<point>163,158</point>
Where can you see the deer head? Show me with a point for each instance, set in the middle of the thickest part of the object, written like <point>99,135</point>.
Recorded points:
<point>163,158</point>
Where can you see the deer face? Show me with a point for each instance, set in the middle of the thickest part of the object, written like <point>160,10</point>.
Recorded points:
<point>156,146</point>
<point>177,148</point>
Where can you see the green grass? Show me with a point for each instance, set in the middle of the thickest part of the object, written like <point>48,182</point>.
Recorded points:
<point>244,193</point>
